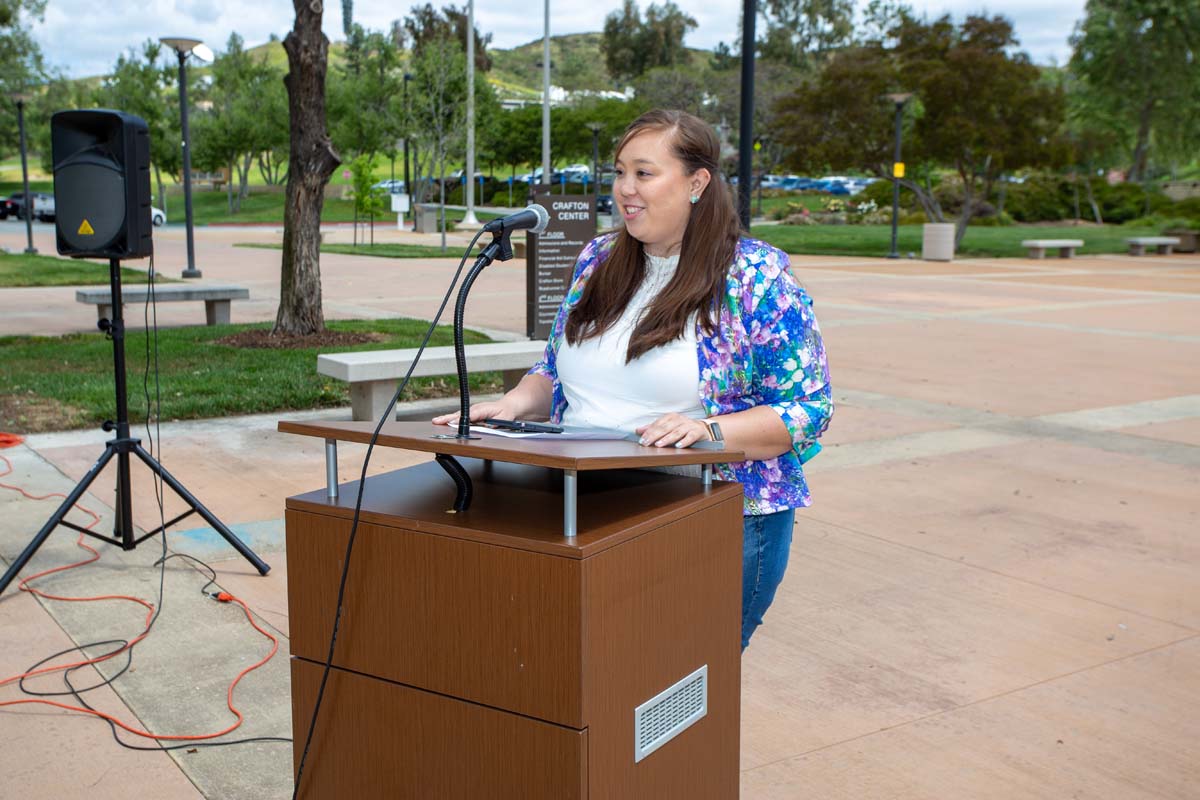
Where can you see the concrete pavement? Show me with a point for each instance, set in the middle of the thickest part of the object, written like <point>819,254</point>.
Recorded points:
<point>994,595</point>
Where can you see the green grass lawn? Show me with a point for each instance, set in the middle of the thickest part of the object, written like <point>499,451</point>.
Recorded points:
<point>53,383</point>
<point>380,250</point>
<point>979,242</point>
<point>212,208</point>
<point>19,269</point>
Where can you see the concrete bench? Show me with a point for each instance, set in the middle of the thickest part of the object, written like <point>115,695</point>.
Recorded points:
<point>1163,244</point>
<point>1066,247</point>
<point>372,374</point>
<point>216,298</point>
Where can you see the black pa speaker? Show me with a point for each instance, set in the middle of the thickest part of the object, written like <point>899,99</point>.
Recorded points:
<point>101,183</point>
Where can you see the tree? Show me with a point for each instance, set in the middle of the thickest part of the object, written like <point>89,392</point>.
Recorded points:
<point>439,106</point>
<point>839,119</point>
<point>140,84</point>
<point>631,46</point>
<point>799,32</point>
<point>673,87</point>
<point>368,201</point>
<point>518,137</point>
<point>237,127</point>
<point>311,160</point>
<point>1138,64</point>
<point>986,110</point>
<point>364,94</point>
<point>425,25</point>
<point>21,65</point>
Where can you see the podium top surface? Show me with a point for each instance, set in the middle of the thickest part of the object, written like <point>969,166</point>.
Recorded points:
<point>573,454</point>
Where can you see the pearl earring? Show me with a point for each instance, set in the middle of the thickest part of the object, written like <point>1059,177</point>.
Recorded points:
<point>695,199</point>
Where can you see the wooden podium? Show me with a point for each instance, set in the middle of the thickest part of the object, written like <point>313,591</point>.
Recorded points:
<point>484,655</point>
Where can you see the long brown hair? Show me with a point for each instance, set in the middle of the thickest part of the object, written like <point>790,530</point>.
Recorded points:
<point>709,243</point>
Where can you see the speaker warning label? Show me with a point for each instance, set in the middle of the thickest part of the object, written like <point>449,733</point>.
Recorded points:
<point>85,229</point>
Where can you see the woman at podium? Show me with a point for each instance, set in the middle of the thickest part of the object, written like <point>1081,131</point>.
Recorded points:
<point>681,329</point>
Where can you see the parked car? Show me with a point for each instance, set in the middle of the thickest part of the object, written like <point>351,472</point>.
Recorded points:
<point>43,205</point>
<point>577,173</point>
<point>158,216</point>
<point>831,186</point>
<point>536,176</point>
<point>7,206</point>
<point>797,184</point>
<point>391,186</point>
<point>604,204</point>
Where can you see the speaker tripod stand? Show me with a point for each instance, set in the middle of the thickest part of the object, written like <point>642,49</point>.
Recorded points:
<point>121,448</point>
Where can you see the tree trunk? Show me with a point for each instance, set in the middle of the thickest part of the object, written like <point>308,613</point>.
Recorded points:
<point>311,161</point>
<point>1087,184</point>
<point>162,192</point>
<point>964,216</point>
<point>229,188</point>
<point>244,178</point>
<point>1137,171</point>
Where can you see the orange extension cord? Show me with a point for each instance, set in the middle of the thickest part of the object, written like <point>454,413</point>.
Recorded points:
<point>10,440</point>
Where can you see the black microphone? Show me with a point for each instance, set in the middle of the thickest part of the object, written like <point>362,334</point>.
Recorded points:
<point>533,219</point>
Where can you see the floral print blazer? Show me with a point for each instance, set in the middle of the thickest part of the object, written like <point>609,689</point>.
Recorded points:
<point>766,351</point>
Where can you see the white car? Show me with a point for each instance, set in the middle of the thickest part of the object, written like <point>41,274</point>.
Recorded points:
<point>158,216</point>
<point>391,186</point>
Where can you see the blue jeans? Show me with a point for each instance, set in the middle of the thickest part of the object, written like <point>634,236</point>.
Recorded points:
<point>766,540</point>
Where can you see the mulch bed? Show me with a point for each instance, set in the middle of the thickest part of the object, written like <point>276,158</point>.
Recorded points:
<point>263,340</point>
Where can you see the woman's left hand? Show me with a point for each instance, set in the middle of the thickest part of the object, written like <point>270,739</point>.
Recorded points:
<point>673,430</point>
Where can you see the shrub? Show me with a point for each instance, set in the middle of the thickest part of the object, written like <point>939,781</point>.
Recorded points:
<point>993,221</point>
<point>913,218</point>
<point>1126,201</point>
<point>881,193</point>
<point>1040,199</point>
<point>520,194</point>
<point>1188,209</point>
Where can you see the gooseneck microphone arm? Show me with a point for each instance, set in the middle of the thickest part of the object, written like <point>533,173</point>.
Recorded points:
<point>498,247</point>
<point>534,219</point>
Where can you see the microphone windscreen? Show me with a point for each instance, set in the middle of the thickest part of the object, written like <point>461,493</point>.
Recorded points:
<point>543,217</point>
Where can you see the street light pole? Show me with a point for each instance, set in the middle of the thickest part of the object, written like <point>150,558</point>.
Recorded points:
<point>546,97</point>
<point>595,128</point>
<point>29,248</point>
<point>746,124</point>
<point>899,99</point>
<point>183,47</point>
<point>407,132</point>
<point>469,219</point>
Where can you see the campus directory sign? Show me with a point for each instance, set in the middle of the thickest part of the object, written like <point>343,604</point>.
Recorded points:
<point>550,259</point>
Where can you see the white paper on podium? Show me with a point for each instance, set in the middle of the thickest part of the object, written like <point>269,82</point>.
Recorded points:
<point>567,433</point>
<point>597,434</point>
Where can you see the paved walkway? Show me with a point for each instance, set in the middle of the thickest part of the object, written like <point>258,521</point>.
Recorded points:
<point>994,596</point>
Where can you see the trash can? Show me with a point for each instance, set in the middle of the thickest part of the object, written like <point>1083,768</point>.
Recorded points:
<point>426,219</point>
<point>937,241</point>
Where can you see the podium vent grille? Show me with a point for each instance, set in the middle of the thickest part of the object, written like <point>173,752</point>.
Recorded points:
<point>664,716</point>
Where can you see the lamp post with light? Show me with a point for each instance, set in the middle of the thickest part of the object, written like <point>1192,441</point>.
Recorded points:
<point>20,100</point>
<point>184,47</point>
<point>595,128</point>
<point>899,99</point>
<point>407,134</point>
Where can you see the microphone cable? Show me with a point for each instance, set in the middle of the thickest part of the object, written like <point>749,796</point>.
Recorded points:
<point>362,480</point>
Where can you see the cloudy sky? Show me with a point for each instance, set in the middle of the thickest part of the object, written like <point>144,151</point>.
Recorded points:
<point>83,37</point>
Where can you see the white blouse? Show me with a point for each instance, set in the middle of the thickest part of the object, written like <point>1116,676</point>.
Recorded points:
<point>602,391</point>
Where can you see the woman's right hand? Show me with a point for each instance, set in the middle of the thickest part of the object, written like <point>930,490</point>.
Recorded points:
<point>493,409</point>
